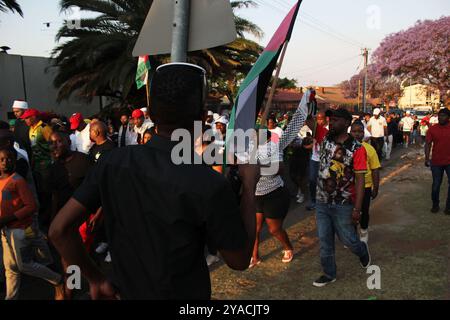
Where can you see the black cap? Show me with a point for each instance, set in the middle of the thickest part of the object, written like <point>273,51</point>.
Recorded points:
<point>339,113</point>
<point>445,111</point>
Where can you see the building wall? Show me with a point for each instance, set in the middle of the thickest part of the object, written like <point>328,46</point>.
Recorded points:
<point>416,95</point>
<point>34,83</point>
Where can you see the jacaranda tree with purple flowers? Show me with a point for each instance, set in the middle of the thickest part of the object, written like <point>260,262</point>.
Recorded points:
<point>420,53</point>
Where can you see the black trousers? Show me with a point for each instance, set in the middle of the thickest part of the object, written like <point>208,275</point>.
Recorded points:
<point>378,143</point>
<point>364,222</point>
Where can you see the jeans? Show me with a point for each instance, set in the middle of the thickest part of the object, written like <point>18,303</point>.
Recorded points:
<point>438,174</point>
<point>18,258</point>
<point>331,220</point>
<point>313,175</point>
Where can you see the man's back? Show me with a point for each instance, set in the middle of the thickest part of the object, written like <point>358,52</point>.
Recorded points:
<point>158,216</point>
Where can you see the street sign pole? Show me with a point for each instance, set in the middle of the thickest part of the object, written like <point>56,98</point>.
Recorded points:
<point>180,32</point>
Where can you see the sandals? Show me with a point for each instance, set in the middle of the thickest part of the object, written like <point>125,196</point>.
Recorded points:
<point>253,263</point>
<point>288,255</point>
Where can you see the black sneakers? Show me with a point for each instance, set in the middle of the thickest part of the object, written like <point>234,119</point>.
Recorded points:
<point>366,260</point>
<point>323,281</point>
<point>435,209</point>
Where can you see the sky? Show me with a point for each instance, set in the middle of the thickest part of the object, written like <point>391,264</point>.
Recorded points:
<point>326,44</point>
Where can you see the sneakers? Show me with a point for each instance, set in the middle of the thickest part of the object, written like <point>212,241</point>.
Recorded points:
<point>288,255</point>
<point>364,235</point>
<point>300,198</point>
<point>311,207</point>
<point>211,259</point>
<point>102,246</point>
<point>366,260</point>
<point>253,263</point>
<point>447,211</point>
<point>323,281</point>
<point>108,257</point>
<point>435,209</point>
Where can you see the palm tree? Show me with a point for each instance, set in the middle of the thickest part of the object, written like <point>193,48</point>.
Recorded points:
<point>97,58</point>
<point>11,5</point>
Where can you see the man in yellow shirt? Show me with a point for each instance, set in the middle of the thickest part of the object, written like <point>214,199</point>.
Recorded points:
<point>40,161</point>
<point>372,178</point>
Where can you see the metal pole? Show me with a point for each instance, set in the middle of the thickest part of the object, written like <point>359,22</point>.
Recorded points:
<point>23,79</point>
<point>180,33</point>
<point>274,86</point>
<point>410,94</point>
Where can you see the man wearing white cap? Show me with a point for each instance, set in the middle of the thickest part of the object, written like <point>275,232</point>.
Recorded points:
<point>21,131</point>
<point>407,125</point>
<point>209,118</point>
<point>377,127</point>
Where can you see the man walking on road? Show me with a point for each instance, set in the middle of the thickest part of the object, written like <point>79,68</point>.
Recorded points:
<point>340,193</point>
<point>377,127</point>
<point>438,140</point>
<point>407,125</point>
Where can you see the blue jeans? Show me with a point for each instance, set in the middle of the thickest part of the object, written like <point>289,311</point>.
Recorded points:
<point>331,220</point>
<point>438,175</point>
<point>313,175</point>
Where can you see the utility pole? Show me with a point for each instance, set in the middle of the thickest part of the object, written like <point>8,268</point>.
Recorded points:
<point>410,94</point>
<point>359,95</point>
<point>180,33</point>
<point>366,61</point>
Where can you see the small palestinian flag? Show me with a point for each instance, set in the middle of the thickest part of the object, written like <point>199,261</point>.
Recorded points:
<point>142,71</point>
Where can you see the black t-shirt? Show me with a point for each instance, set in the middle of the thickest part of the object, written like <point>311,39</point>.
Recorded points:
<point>157,217</point>
<point>97,151</point>
<point>66,177</point>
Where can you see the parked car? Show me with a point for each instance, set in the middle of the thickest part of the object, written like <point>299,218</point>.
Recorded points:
<point>421,112</point>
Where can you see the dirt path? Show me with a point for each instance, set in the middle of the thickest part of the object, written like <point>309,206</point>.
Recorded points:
<point>409,244</point>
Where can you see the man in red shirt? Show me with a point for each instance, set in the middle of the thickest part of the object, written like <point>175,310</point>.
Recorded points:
<point>438,140</point>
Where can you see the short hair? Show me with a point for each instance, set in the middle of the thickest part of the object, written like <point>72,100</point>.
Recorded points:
<point>358,123</point>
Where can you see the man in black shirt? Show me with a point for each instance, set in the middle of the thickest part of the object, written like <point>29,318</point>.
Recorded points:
<point>98,134</point>
<point>159,214</point>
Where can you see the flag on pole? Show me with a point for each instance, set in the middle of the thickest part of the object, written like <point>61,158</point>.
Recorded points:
<point>254,88</point>
<point>142,71</point>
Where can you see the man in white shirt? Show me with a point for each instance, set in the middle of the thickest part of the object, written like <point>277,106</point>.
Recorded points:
<point>82,138</point>
<point>276,131</point>
<point>407,125</point>
<point>140,125</point>
<point>377,126</point>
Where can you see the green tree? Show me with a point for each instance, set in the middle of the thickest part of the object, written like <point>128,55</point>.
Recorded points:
<point>96,59</point>
<point>10,5</point>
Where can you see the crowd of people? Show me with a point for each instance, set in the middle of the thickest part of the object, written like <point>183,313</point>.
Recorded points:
<point>89,187</point>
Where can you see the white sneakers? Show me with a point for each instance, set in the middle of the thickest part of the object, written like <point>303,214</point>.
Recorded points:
<point>211,259</point>
<point>364,235</point>
<point>300,198</point>
<point>102,246</point>
<point>108,257</point>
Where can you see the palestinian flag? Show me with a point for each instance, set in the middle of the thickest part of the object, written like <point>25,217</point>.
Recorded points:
<point>142,71</point>
<point>253,89</point>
